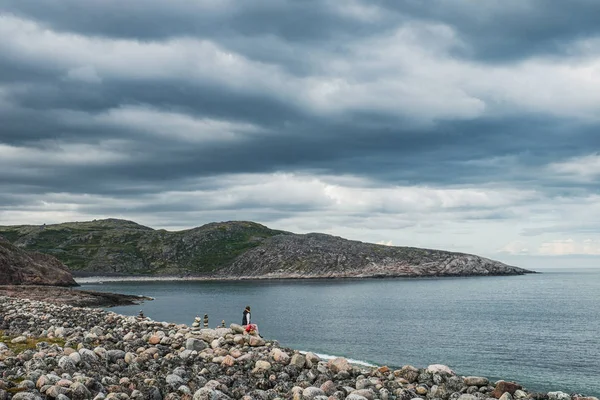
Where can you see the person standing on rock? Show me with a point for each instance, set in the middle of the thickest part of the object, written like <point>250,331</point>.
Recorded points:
<point>249,327</point>
<point>246,316</point>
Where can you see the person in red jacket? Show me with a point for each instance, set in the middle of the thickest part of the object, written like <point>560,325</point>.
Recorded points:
<point>249,327</point>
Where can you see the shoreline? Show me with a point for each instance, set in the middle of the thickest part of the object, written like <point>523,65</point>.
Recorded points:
<point>175,278</point>
<point>85,353</point>
<point>71,296</point>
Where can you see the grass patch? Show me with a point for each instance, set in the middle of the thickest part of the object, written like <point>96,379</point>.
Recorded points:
<point>30,344</point>
<point>16,390</point>
<point>10,235</point>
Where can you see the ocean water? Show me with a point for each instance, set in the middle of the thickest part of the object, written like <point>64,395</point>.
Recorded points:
<point>540,330</point>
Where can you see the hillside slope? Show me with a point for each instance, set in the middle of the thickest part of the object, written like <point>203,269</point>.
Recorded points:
<point>236,249</point>
<point>19,267</point>
<point>319,255</point>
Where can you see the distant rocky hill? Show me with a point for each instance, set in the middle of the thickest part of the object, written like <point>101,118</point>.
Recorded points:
<point>236,250</point>
<point>19,267</point>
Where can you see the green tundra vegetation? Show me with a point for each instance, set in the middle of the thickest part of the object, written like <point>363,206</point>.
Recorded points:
<point>120,246</point>
<point>234,249</point>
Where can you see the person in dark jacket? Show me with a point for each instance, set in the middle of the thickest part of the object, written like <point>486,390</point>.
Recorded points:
<point>246,316</point>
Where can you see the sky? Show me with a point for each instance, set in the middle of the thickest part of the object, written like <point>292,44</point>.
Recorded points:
<point>461,125</point>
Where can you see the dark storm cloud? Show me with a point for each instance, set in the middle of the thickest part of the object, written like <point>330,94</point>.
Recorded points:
<point>43,104</point>
<point>438,155</point>
<point>513,29</point>
<point>143,19</point>
<point>492,30</point>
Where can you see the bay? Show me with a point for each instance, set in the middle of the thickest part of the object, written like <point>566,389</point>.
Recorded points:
<point>540,330</point>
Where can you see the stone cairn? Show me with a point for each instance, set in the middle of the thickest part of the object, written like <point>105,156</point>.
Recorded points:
<point>206,320</point>
<point>223,324</point>
<point>196,323</point>
<point>141,315</point>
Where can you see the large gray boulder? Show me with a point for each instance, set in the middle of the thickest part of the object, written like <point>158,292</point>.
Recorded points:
<point>205,394</point>
<point>476,381</point>
<point>195,344</point>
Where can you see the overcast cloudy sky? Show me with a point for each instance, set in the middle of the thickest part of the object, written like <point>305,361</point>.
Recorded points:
<point>456,124</point>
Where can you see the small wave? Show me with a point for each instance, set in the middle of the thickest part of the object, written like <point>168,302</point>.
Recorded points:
<point>350,360</point>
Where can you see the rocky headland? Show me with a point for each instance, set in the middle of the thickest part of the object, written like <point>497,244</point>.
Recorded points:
<point>20,267</point>
<point>38,276</point>
<point>61,352</point>
<point>236,250</point>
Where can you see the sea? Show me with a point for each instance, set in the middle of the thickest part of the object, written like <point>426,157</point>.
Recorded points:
<point>540,330</point>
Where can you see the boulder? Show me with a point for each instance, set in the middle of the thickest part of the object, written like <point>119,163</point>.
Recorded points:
<point>80,392</point>
<point>222,332</point>
<point>174,380</point>
<point>195,344</point>
<point>328,387</point>
<point>256,341</point>
<point>354,396</point>
<point>114,355</point>
<point>438,392</point>
<point>366,393</point>
<point>54,391</point>
<point>26,396</point>
<point>439,369</point>
<point>407,372</point>
<point>421,390</point>
<point>205,394</point>
<point>66,363</point>
<point>339,364</point>
<point>154,339</point>
<point>208,335</point>
<point>228,361</point>
<point>504,387</point>
<point>130,357</point>
<point>88,355</point>
<point>19,339</point>
<point>558,396</point>
<point>76,357</point>
<point>298,360</point>
<point>280,356</point>
<point>312,359</point>
<point>261,365</point>
<point>383,369</point>
<point>476,381</point>
<point>311,392</point>
<point>519,394</point>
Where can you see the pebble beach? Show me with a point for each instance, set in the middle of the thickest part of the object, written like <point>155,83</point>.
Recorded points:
<point>57,351</point>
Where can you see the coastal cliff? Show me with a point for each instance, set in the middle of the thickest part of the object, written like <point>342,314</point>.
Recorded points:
<point>19,267</point>
<point>236,249</point>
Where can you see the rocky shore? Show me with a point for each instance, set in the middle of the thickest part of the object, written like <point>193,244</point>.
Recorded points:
<point>73,297</point>
<point>50,351</point>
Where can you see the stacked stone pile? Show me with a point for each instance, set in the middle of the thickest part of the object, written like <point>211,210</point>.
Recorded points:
<point>80,353</point>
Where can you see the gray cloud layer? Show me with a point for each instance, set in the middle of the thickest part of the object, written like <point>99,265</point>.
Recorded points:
<point>179,113</point>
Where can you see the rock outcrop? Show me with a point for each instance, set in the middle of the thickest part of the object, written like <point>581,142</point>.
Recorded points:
<point>237,250</point>
<point>18,267</point>
<point>323,256</point>
<point>70,296</point>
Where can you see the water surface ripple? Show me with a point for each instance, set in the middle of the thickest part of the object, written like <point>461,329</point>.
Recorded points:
<point>541,330</point>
